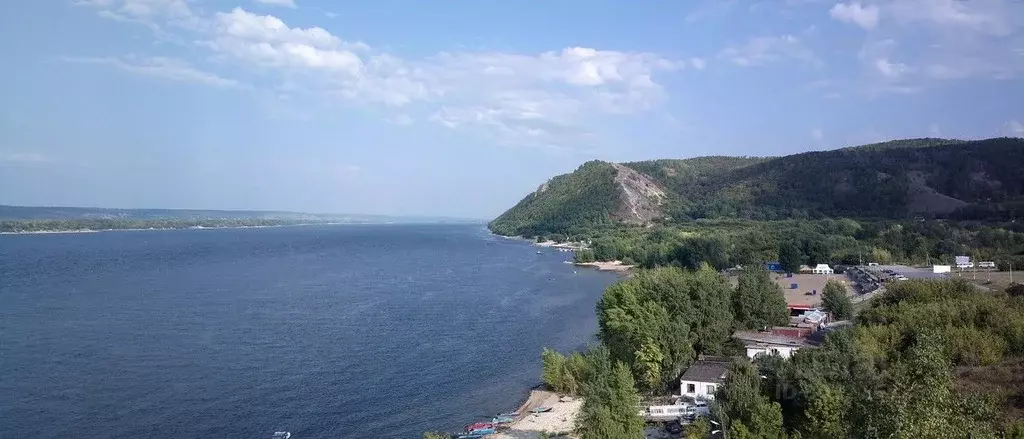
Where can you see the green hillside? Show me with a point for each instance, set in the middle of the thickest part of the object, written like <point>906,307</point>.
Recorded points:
<point>982,179</point>
<point>583,198</point>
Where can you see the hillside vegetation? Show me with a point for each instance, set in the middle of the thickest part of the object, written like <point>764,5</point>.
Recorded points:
<point>901,179</point>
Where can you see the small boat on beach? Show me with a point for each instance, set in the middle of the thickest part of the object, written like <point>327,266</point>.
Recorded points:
<point>508,415</point>
<point>503,420</point>
<point>478,433</point>
<point>540,410</point>
<point>481,425</point>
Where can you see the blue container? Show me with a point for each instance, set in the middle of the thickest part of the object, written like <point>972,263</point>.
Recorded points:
<point>789,274</point>
<point>792,286</point>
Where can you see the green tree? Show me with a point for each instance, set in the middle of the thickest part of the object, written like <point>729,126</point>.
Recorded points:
<point>700,428</point>
<point>742,406</point>
<point>609,401</point>
<point>584,255</point>
<point>790,257</point>
<point>757,300</point>
<point>553,370</point>
<point>835,300</point>
<point>436,435</point>
<point>647,365</point>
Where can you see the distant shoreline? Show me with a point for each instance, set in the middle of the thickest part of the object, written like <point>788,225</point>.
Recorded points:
<point>146,229</point>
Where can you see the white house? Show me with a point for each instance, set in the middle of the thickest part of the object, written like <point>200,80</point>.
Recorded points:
<point>766,343</point>
<point>822,269</point>
<point>703,378</point>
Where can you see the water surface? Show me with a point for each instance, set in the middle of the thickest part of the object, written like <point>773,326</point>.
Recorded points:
<point>325,331</point>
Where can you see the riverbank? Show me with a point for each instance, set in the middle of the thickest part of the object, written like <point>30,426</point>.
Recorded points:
<point>560,419</point>
<point>615,266</point>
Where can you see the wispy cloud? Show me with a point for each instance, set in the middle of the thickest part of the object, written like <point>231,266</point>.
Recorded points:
<point>166,68</point>
<point>22,158</point>
<point>284,3</point>
<point>764,50</point>
<point>817,134</point>
<point>1013,128</point>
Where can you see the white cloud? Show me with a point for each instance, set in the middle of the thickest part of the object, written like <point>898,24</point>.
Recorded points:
<point>890,69</point>
<point>995,17</point>
<point>1013,128</point>
<point>760,51</point>
<point>152,13</point>
<point>167,68</point>
<point>540,98</point>
<point>23,157</point>
<point>856,13</point>
<point>285,3</point>
<point>698,63</point>
<point>817,134</point>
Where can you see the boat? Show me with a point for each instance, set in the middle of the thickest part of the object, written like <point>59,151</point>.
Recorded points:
<point>478,433</point>
<point>540,410</point>
<point>538,252</point>
<point>508,415</point>
<point>281,435</point>
<point>480,425</point>
<point>503,420</point>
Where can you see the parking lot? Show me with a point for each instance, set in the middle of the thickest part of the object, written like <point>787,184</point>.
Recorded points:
<point>892,272</point>
<point>809,287</point>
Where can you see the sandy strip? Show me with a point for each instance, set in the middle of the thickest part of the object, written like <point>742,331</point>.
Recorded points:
<point>607,266</point>
<point>560,419</point>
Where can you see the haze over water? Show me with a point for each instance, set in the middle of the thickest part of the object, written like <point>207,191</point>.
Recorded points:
<point>324,331</point>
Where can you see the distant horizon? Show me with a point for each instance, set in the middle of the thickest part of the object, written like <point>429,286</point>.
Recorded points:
<point>177,209</point>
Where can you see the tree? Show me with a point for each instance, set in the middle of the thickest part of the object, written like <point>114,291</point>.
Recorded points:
<point>835,300</point>
<point>609,401</point>
<point>758,301</point>
<point>647,365</point>
<point>584,255</point>
<point>698,429</point>
<point>436,435</point>
<point>740,404</point>
<point>553,369</point>
<point>790,257</point>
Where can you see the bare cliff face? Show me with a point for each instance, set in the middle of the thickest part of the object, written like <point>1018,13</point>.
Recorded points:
<point>642,198</point>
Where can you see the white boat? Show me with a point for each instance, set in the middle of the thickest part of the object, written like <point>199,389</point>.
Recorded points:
<point>281,435</point>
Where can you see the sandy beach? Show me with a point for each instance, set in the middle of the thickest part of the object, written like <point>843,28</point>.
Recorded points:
<point>561,418</point>
<point>616,266</point>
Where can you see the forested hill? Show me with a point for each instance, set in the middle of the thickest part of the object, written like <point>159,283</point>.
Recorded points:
<point>979,179</point>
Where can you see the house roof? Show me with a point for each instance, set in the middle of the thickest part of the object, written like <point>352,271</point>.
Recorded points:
<point>822,267</point>
<point>708,370</point>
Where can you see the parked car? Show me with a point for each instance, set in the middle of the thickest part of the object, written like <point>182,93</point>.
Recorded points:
<point>674,428</point>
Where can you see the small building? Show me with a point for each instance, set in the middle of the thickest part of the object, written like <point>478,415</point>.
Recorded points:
<point>822,269</point>
<point>937,269</point>
<point>812,319</point>
<point>769,343</point>
<point>703,378</point>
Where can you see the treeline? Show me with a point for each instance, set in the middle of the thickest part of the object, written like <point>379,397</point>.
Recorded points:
<point>896,374</point>
<point>58,225</point>
<point>918,363</point>
<point>652,326</point>
<point>724,244</point>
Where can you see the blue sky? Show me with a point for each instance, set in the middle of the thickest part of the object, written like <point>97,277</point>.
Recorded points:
<point>462,107</point>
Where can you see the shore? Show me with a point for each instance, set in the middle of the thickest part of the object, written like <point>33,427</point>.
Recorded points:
<point>616,266</point>
<point>561,418</point>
